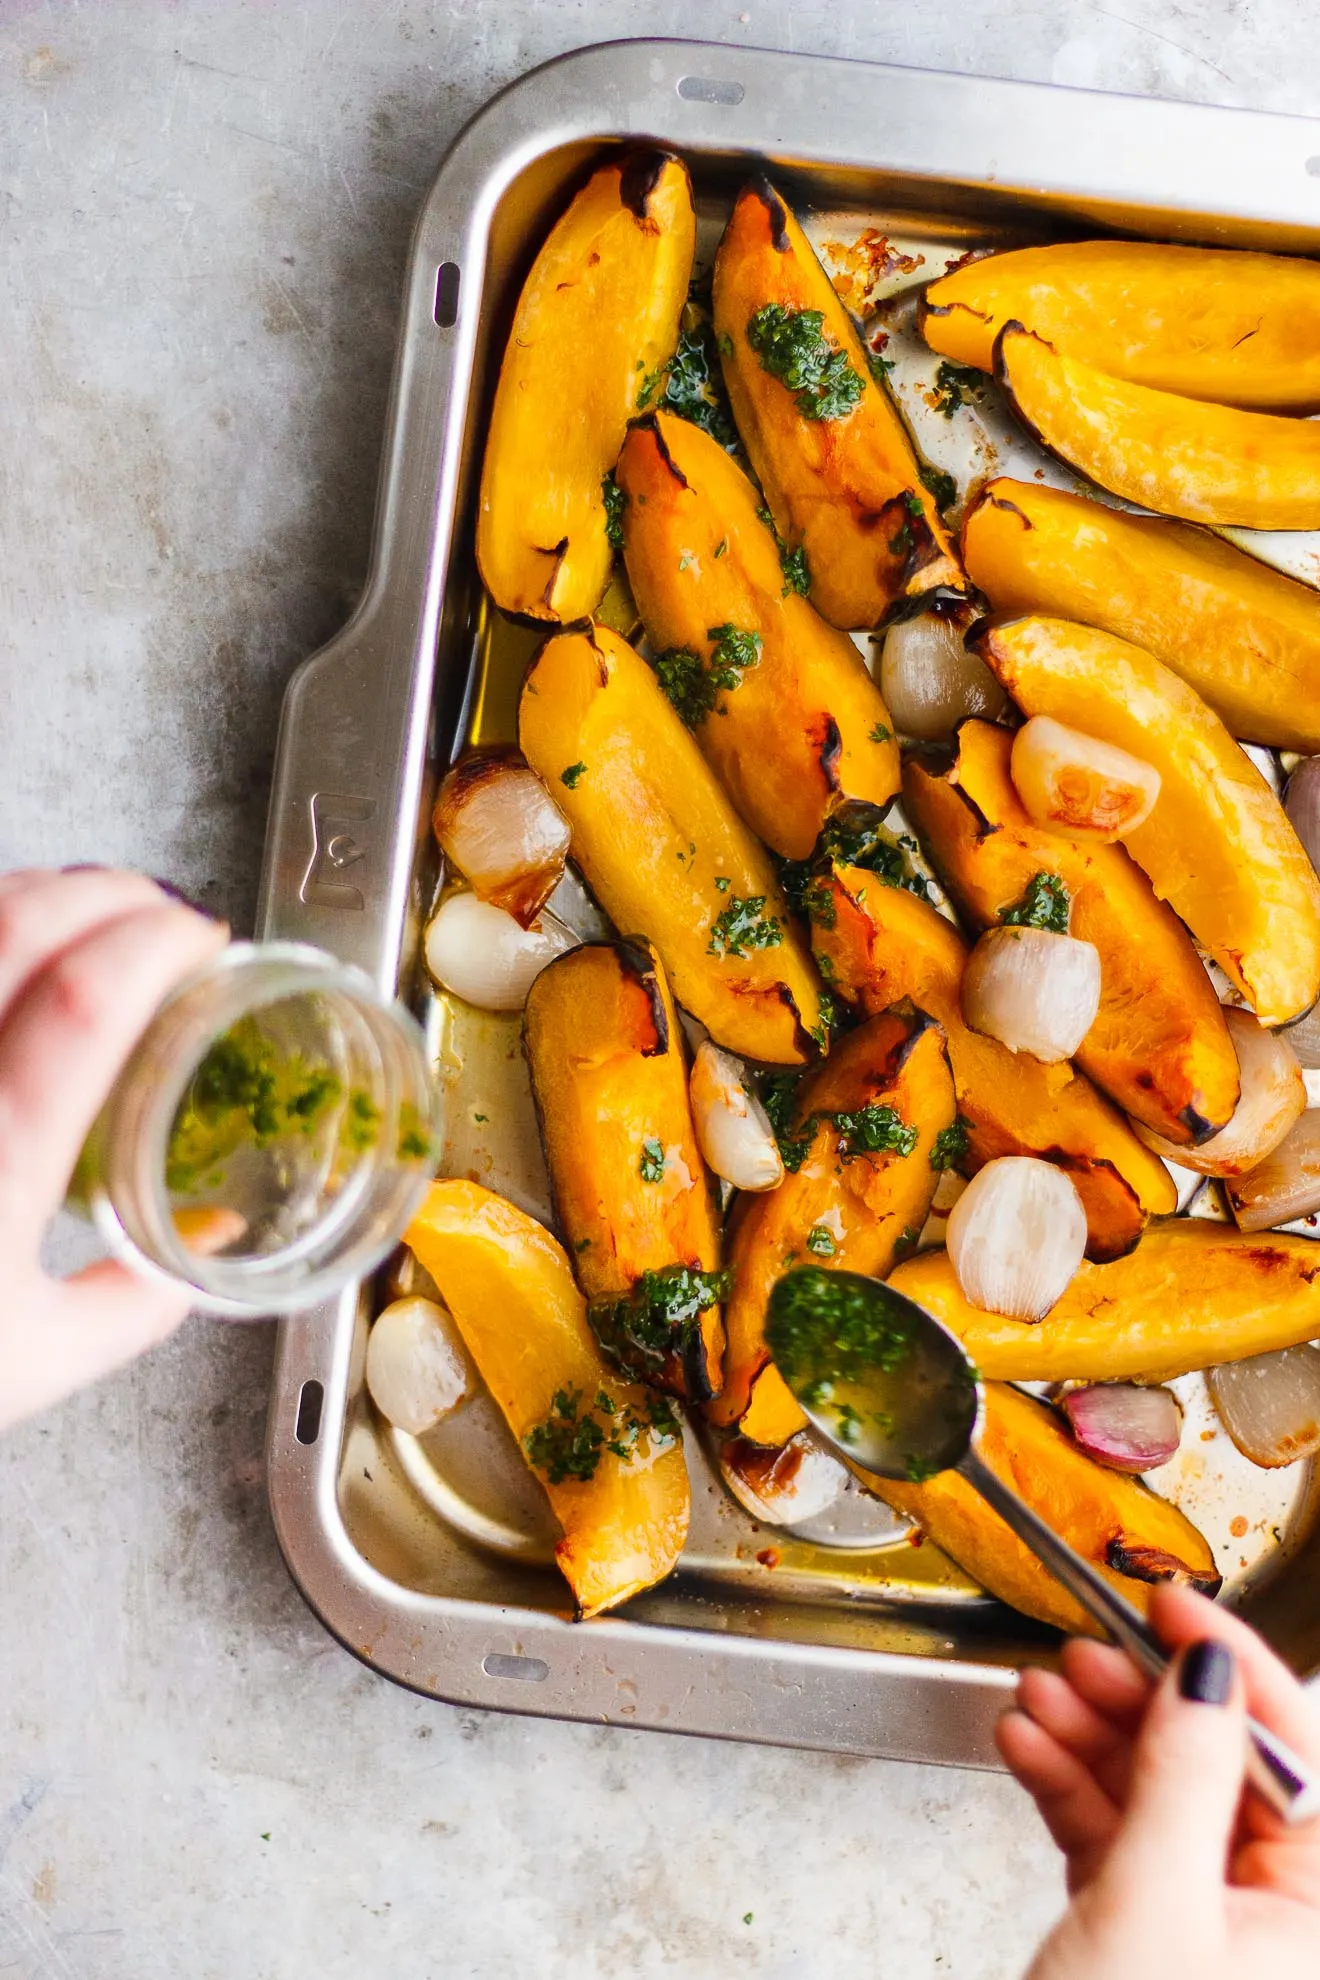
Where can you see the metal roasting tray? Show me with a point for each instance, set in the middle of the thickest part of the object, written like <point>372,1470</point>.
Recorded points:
<point>431,1559</point>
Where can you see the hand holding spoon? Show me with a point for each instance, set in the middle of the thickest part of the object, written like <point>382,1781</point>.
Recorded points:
<point>893,1393</point>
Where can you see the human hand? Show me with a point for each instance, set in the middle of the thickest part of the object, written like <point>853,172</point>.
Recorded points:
<point>1172,1870</point>
<point>85,958</point>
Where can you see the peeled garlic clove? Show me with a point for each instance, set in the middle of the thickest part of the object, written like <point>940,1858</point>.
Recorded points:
<point>1273,1097</point>
<point>785,1485</point>
<point>1301,801</point>
<point>1077,785</point>
<point>416,1370</point>
<point>482,955</point>
<point>1285,1185</point>
<point>498,824</point>
<point>1270,1404</point>
<point>733,1128</point>
<point>1124,1426</point>
<point>1033,990</point>
<point>930,681</point>
<point>1016,1236</point>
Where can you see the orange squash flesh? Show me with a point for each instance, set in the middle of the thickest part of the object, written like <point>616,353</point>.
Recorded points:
<point>609,1073</point>
<point>1211,323</point>
<point>511,1291</point>
<point>883,944</point>
<point>1217,846</point>
<point>1133,1538</point>
<point>611,280</point>
<point>654,833</point>
<point>847,491</point>
<point>864,1204</point>
<point>805,726</point>
<point>1192,1294</point>
<point>1244,636</point>
<point>1181,457</point>
<point>1159,1045</point>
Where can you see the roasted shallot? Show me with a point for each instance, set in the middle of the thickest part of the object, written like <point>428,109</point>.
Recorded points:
<point>416,1370</point>
<point>930,681</point>
<point>1077,785</point>
<point>1270,1404</point>
<point>1127,1427</point>
<point>1273,1097</point>
<point>497,823</point>
<point>1016,1236</point>
<point>1301,801</point>
<point>484,956</point>
<point>1033,990</point>
<point>1285,1185</point>
<point>733,1128</point>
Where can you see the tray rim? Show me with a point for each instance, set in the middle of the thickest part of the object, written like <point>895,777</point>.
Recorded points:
<point>350,773</point>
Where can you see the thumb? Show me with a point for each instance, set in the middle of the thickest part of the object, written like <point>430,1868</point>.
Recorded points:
<point>1186,1782</point>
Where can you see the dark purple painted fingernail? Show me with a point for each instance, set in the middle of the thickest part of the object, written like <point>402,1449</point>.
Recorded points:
<point>85,866</point>
<point>174,893</point>
<point>1205,1675</point>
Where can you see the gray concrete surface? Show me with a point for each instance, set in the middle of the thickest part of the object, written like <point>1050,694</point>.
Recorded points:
<point>206,212</point>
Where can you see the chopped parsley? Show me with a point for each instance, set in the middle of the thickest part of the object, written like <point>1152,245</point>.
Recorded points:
<point>954,384</point>
<point>907,1241</point>
<point>722,883</point>
<point>940,485</point>
<point>361,1127</point>
<point>570,1440</point>
<point>647,389</point>
<point>825,1328</point>
<point>615,503</point>
<point>1045,904</point>
<point>880,366</point>
<point>685,681</point>
<point>855,836</point>
<point>950,1146</point>
<point>790,346</point>
<point>734,652</point>
<point>872,1130</point>
<point>247,1092</point>
<point>651,1168</point>
<point>722,546</point>
<point>797,575</point>
<point>819,904</point>
<point>571,776</point>
<point>880,734</point>
<point>901,541</point>
<point>659,1319</point>
<point>744,925</point>
<point>820,1241</point>
<point>694,388</point>
<point>829,1019</point>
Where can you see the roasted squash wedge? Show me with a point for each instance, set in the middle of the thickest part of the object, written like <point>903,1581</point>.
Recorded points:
<point>511,1291</point>
<point>1211,323</point>
<point>882,944</point>
<point>663,848</point>
<point>827,442</point>
<point>596,323</point>
<point>1159,1045</point>
<point>1193,1293</point>
<point>861,1188</point>
<point>609,1073</point>
<point>1217,846</point>
<point>1244,636</point>
<point>1135,1539</point>
<point>780,702</point>
<point>1209,464</point>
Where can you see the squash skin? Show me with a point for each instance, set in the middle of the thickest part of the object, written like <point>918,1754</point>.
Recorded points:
<point>605,1050</point>
<point>1193,1293</point>
<point>884,944</point>
<point>510,1289</point>
<point>1246,637</point>
<point>898,1059</point>
<point>795,737</point>
<point>645,796</point>
<point>1236,328</point>
<point>611,279</point>
<point>1217,846</point>
<point>837,488</point>
<point>1181,457</point>
<point>1159,1046</point>
<point>1108,1517</point>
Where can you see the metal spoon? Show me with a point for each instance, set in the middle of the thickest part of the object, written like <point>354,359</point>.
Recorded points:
<point>892,1391</point>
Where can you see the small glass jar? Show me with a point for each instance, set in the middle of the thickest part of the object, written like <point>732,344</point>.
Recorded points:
<point>269,1138</point>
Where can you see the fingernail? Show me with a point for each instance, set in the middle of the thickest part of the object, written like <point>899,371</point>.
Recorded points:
<point>85,866</point>
<point>174,893</point>
<point>1205,1675</point>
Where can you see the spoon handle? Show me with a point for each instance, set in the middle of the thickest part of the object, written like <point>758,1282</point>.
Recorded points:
<point>1273,1769</point>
